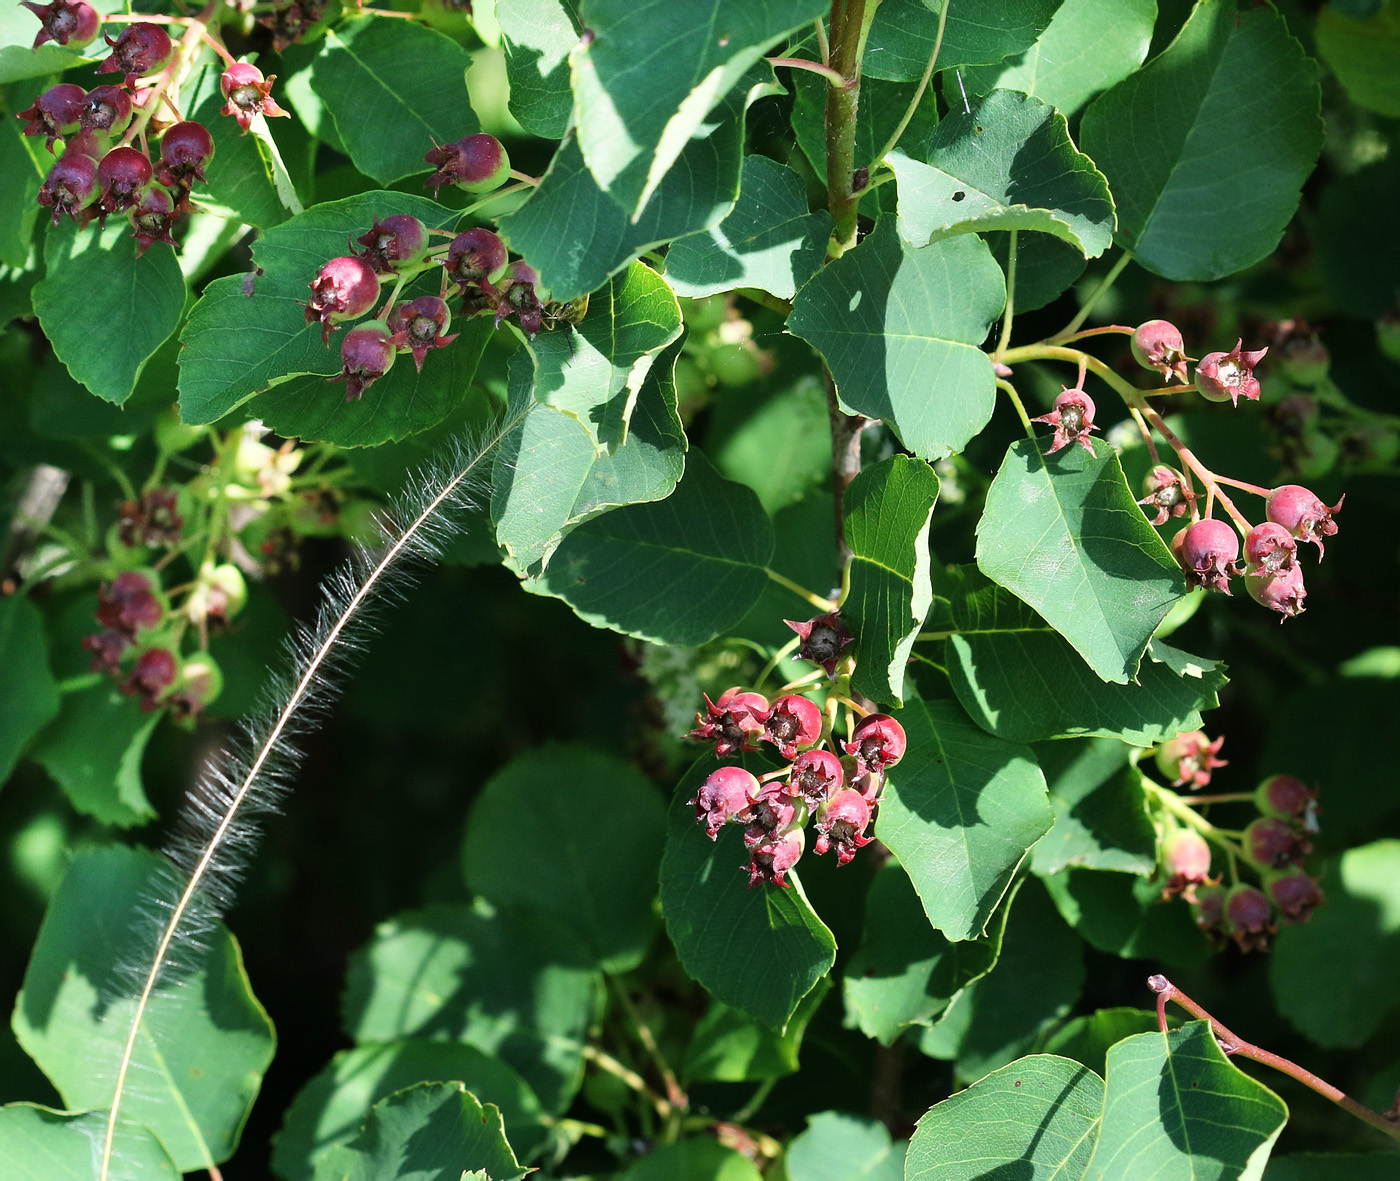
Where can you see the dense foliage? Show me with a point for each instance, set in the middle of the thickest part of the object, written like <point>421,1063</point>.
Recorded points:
<point>836,553</point>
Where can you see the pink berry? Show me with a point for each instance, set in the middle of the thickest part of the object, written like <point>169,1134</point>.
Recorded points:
<point>65,22</point>
<point>841,824</point>
<point>825,640</point>
<point>1283,592</point>
<point>421,323</point>
<point>1166,493</point>
<point>475,163</point>
<point>770,862</point>
<point>1269,549</point>
<point>247,92</point>
<point>1157,345</point>
<point>367,354</point>
<point>815,776</point>
<point>734,722</point>
<point>877,742</point>
<point>1299,510</point>
<point>142,48</point>
<point>795,722</point>
<point>1186,858</point>
<point>56,113</point>
<point>1072,418</point>
<point>1208,550</point>
<point>724,796</point>
<point>395,244</point>
<point>774,811</point>
<point>1189,758</point>
<point>344,289</point>
<point>1229,375</point>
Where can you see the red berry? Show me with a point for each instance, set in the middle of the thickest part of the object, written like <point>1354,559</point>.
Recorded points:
<point>794,722</point>
<point>775,810</point>
<point>1166,492</point>
<point>185,148</point>
<point>155,672</point>
<point>344,289</point>
<point>394,244</point>
<point>841,823</point>
<point>121,174</point>
<point>734,722</point>
<point>824,640</point>
<point>367,354</point>
<point>57,113</point>
<point>476,163</point>
<point>107,648</point>
<point>1294,893</point>
<point>65,22</point>
<point>815,776</point>
<point>1229,375</point>
<point>520,298</point>
<point>474,255</point>
<point>1283,592</point>
<point>71,185</point>
<point>877,742</point>
<point>152,217</point>
<point>1271,843</point>
<point>107,109</point>
<point>1299,510</point>
<point>770,862</point>
<point>1072,418</point>
<point>1248,918</point>
<point>1289,799</point>
<point>421,323</point>
<point>142,48</point>
<point>247,92</point>
<point>1208,909</point>
<point>1207,551</point>
<point>1157,345</point>
<point>724,796</point>
<point>1269,549</point>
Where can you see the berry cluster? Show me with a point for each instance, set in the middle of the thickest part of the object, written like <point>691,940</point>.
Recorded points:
<point>1274,845</point>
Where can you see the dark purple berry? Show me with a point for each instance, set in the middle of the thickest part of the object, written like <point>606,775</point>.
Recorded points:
<point>1272,843</point>
<point>71,185</point>
<point>1289,799</point>
<point>1294,893</point>
<point>1248,918</point>
<point>57,113</point>
<point>66,22</point>
<point>155,671</point>
<point>476,163</point>
<point>421,323</point>
<point>394,244</point>
<point>152,217</point>
<point>367,354</point>
<point>474,255</point>
<point>121,175</point>
<point>107,109</point>
<point>185,148</point>
<point>141,49</point>
<point>344,289</point>
<point>131,602</point>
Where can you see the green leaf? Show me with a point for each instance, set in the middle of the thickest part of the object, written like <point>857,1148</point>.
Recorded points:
<point>895,324</point>
<point>882,106</point>
<point>1088,46</point>
<point>649,75</point>
<point>237,346</point>
<point>40,1144</point>
<point>840,1147</point>
<point>1007,164</point>
<point>206,1044</point>
<point>388,114</point>
<point>681,571</point>
<point>594,371</point>
<point>769,240</point>
<point>888,509</point>
<point>21,175</point>
<point>1037,1117</point>
<point>1357,253</point>
<point>93,751</point>
<point>425,1133</point>
<point>904,972</point>
<point>601,890</point>
<point>1359,927</point>
<point>903,34</point>
<point>805,552</point>
<point>960,811</point>
<point>777,441</point>
<point>761,950</point>
<point>104,310</point>
<point>550,475</point>
<point>1037,979</point>
<point>1207,146</point>
<point>1088,1039</point>
<point>1046,267</point>
<point>1123,914</point>
<point>1362,53</point>
<point>19,61</point>
<point>1101,817</point>
<point>1332,1166</point>
<point>1163,1104</point>
<point>537,36</point>
<point>331,1108</point>
<point>575,235</point>
<point>1019,679</point>
<point>26,685</point>
<point>1063,533</point>
<point>516,987</point>
<point>699,1159</point>
<point>730,1047</point>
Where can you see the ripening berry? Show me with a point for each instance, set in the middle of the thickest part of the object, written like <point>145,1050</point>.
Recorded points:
<point>734,722</point>
<point>185,148</point>
<point>247,92</point>
<point>1288,799</point>
<point>1248,918</point>
<point>107,109</point>
<point>155,671</point>
<point>474,255</point>
<point>770,861</point>
<point>1283,592</point>
<point>107,648</point>
<point>1157,345</point>
<point>1294,893</point>
<point>142,48</point>
<point>519,297</point>
<point>65,22</point>
<point>367,354</point>
<point>421,323</point>
<point>1208,910</point>
<point>824,640</point>
<point>1072,418</point>
<point>1304,360</point>
<point>152,218</point>
<point>1189,758</point>
<point>475,163</point>
<point>71,185</point>
<point>131,602</point>
<point>815,776</point>
<point>343,289</point>
<point>395,244</point>
<point>725,795</point>
<point>1166,492</point>
<point>56,113</point>
<point>794,723</point>
<point>841,824</point>
<point>1300,511</point>
<point>1185,857</point>
<point>774,811</point>
<point>1272,843</point>
<point>121,175</point>
<point>1207,552</point>
<point>200,682</point>
<point>877,742</point>
<point>219,593</point>
<point>1269,549</point>
<point>1229,375</point>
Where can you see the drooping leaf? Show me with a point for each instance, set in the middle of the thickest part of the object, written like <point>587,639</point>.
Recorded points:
<point>1362,53</point>
<point>537,36</point>
<point>976,34</point>
<point>331,1108</point>
<point>27,687</point>
<point>960,812</point>
<point>888,509</point>
<point>1360,927</point>
<point>423,1133</point>
<point>1038,1116</point>
<point>1101,819</point>
<point>769,240</point>
<point>1207,146</point>
<point>680,571</point>
<point>760,950</point>
<point>550,475</point>
<point>837,1147</point>
<point>1007,164</point>
<point>1063,533</point>
<point>1162,1105</point>
<point>602,890</point>
<point>900,329</point>
<point>1088,46</point>
<point>197,1070</point>
<point>651,73</point>
<point>1021,680</point>
<point>40,1144</point>
<point>904,972</point>
<point>104,310</point>
<point>516,987</point>
<point>387,114</point>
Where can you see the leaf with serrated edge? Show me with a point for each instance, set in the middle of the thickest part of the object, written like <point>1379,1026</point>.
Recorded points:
<point>537,37</point>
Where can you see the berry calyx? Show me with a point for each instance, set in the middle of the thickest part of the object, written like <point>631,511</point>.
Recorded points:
<point>131,602</point>
<point>1166,492</point>
<point>142,48</point>
<point>56,113</point>
<point>185,148</point>
<point>775,810</point>
<point>877,742</point>
<point>1072,418</point>
<point>71,185</point>
<point>475,163</point>
<point>1300,511</point>
<point>367,354</point>
<point>1189,758</point>
<point>1295,893</point>
<point>816,775</point>
<point>795,722</point>
<point>769,862</point>
<point>520,298</point>
<point>1269,549</point>
<point>473,256</point>
<point>421,323</point>
<point>1158,345</point>
<point>155,672</point>
<point>65,22</point>
<point>247,92</point>
<point>734,722</point>
<point>344,289</point>
<point>1208,550</point>
<point>152,217</point>
<point>724,796</point>
<point>841,825</point>
<point>824,640</point>
<point>1229,375</point>
<point>121,175</point>
<point>200,682</point>
<point>107,109</point>
<point>1283,592</point>
<point>395,244</point>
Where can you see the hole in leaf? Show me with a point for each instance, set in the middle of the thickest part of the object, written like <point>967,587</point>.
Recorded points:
<point>959,195</point>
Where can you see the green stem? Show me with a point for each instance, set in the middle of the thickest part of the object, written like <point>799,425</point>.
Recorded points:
<point>801,591</point>
<point>1010,391</point>
<point>914,102</point>
<point>800,63</point>
<point>1010,286</point>
<point>850,25</point>
<point>1102,289</point>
